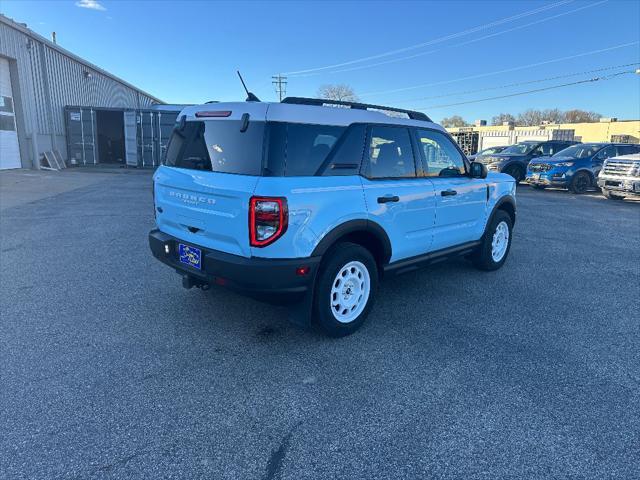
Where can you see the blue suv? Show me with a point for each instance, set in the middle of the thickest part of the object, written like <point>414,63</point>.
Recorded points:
<point>576,167</point>
<point>307,202</point>
<point>513,160</point>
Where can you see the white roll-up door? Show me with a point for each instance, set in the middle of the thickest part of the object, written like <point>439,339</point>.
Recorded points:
<point>493,141</point>
<point>9,150</point>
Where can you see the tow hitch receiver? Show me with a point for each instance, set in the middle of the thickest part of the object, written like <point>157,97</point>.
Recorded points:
<point>189,282</point>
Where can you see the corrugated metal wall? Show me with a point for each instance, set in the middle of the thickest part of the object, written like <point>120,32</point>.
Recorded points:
<point>38,66</point>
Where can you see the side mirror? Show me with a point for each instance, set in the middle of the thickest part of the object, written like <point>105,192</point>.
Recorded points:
<point>478,170</point>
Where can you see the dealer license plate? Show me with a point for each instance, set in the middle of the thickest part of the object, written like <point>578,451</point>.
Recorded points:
<point>189,255</point>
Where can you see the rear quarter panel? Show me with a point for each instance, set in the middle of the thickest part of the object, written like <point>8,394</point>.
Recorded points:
<point>316,206</point>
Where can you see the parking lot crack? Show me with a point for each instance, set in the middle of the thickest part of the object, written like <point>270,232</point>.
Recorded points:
<point>274,465</point>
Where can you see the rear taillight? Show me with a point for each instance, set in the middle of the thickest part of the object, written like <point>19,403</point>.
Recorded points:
<point>268,219</point>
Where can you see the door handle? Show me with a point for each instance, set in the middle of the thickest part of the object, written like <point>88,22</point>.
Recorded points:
<point>388,198</point>
<point>448,193</point>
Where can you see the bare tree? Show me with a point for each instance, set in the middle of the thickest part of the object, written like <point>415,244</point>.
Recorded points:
<point>533,117</point>
<point>502,118</point>
<point>553,116</point>
<point>530,117</point>
<point>578,116</point>
<point>341,92</point>
<point>454,121</point>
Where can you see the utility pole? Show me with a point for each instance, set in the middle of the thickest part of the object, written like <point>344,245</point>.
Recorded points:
<point>280,83</point>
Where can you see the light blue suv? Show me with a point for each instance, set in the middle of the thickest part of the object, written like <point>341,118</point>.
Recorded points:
<point>314,201</point>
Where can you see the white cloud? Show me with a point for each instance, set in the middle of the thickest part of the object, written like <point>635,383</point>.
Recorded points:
<point>90,4</point>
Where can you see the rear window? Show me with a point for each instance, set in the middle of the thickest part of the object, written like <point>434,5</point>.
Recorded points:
<point>218,146</point>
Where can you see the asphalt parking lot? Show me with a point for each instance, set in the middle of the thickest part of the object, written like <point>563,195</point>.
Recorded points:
<point>110,369</point>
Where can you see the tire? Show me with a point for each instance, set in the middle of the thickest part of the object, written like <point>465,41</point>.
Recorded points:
<point>338,310</point>
<point>516,171</point>
<point>611,196</point>
<point>487,257</point>
<point>580,183</point>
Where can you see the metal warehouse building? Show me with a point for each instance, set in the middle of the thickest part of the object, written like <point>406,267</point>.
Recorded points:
<point>52,100</point>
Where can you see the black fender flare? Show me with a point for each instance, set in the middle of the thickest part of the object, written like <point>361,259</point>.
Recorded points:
<point>500,204</point>
<point>353,226</point>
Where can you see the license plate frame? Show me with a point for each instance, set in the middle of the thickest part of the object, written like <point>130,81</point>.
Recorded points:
<point>190,256</point>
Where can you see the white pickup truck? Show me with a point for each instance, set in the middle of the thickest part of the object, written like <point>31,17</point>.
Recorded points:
<point>620,177</point>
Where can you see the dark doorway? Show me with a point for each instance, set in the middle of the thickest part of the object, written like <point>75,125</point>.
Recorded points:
<point>110,130</point>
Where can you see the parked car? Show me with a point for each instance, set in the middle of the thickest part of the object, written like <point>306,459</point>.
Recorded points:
<point>487,151</point>
<point>514,159</point>
<point>620,176</point>
<point>575,167</point>
<point>306,202</point>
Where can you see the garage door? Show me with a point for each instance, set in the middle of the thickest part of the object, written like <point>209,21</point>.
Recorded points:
<point>491,141</point>
<point>9,150</point>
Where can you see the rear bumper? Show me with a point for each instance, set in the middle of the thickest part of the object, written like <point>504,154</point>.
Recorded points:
<point>264,278</point>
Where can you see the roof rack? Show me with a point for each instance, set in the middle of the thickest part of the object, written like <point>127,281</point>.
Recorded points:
<point>319,102</point>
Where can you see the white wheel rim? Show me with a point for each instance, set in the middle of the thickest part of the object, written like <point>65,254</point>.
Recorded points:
<point>500,241</point>
<point>350,292</point>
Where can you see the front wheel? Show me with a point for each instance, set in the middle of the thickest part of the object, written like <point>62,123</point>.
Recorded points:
<point>610,195</point>
<point>496,243</point>
<point>345,289</point>
<point>516,172</point>
<point>580,183</point>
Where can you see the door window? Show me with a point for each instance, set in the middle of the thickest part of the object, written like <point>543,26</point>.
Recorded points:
<point>605,153</point>
<point>390,153</point>
<point>441,156</point>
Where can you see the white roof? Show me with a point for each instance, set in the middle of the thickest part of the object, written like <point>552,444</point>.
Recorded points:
<point>296,113</point>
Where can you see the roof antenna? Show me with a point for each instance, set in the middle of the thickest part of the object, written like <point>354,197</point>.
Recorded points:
<point>250,96</point>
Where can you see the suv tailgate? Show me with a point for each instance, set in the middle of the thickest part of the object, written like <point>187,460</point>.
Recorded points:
<point>209,209</point>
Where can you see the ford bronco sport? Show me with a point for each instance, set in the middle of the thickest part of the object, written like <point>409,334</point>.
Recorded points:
<point>314,203</point>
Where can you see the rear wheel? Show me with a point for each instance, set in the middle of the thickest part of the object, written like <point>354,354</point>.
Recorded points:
<point>610,195</point>
<point>516,171</point>
<point>496,243</point>
<point>345,289</point>
<point>580,183</point>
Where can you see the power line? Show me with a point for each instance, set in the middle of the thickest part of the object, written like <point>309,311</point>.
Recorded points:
<point>497,72</point>
<point>589,80</point>
<point>280,83</point>
<point>519,84</point>
<point>420,54</point>
<point>434,41</point>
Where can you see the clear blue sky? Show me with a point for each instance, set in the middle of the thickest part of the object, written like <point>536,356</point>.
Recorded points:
<point>187,52</point>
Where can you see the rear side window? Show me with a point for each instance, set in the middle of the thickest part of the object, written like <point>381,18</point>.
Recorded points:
<point>390,153</point>
<point>297,149</point>
<point>218,146</point>
<point>628,149</point>
<point>346,156</point>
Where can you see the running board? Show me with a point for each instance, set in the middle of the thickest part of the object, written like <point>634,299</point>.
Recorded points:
<point>415,263</point>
